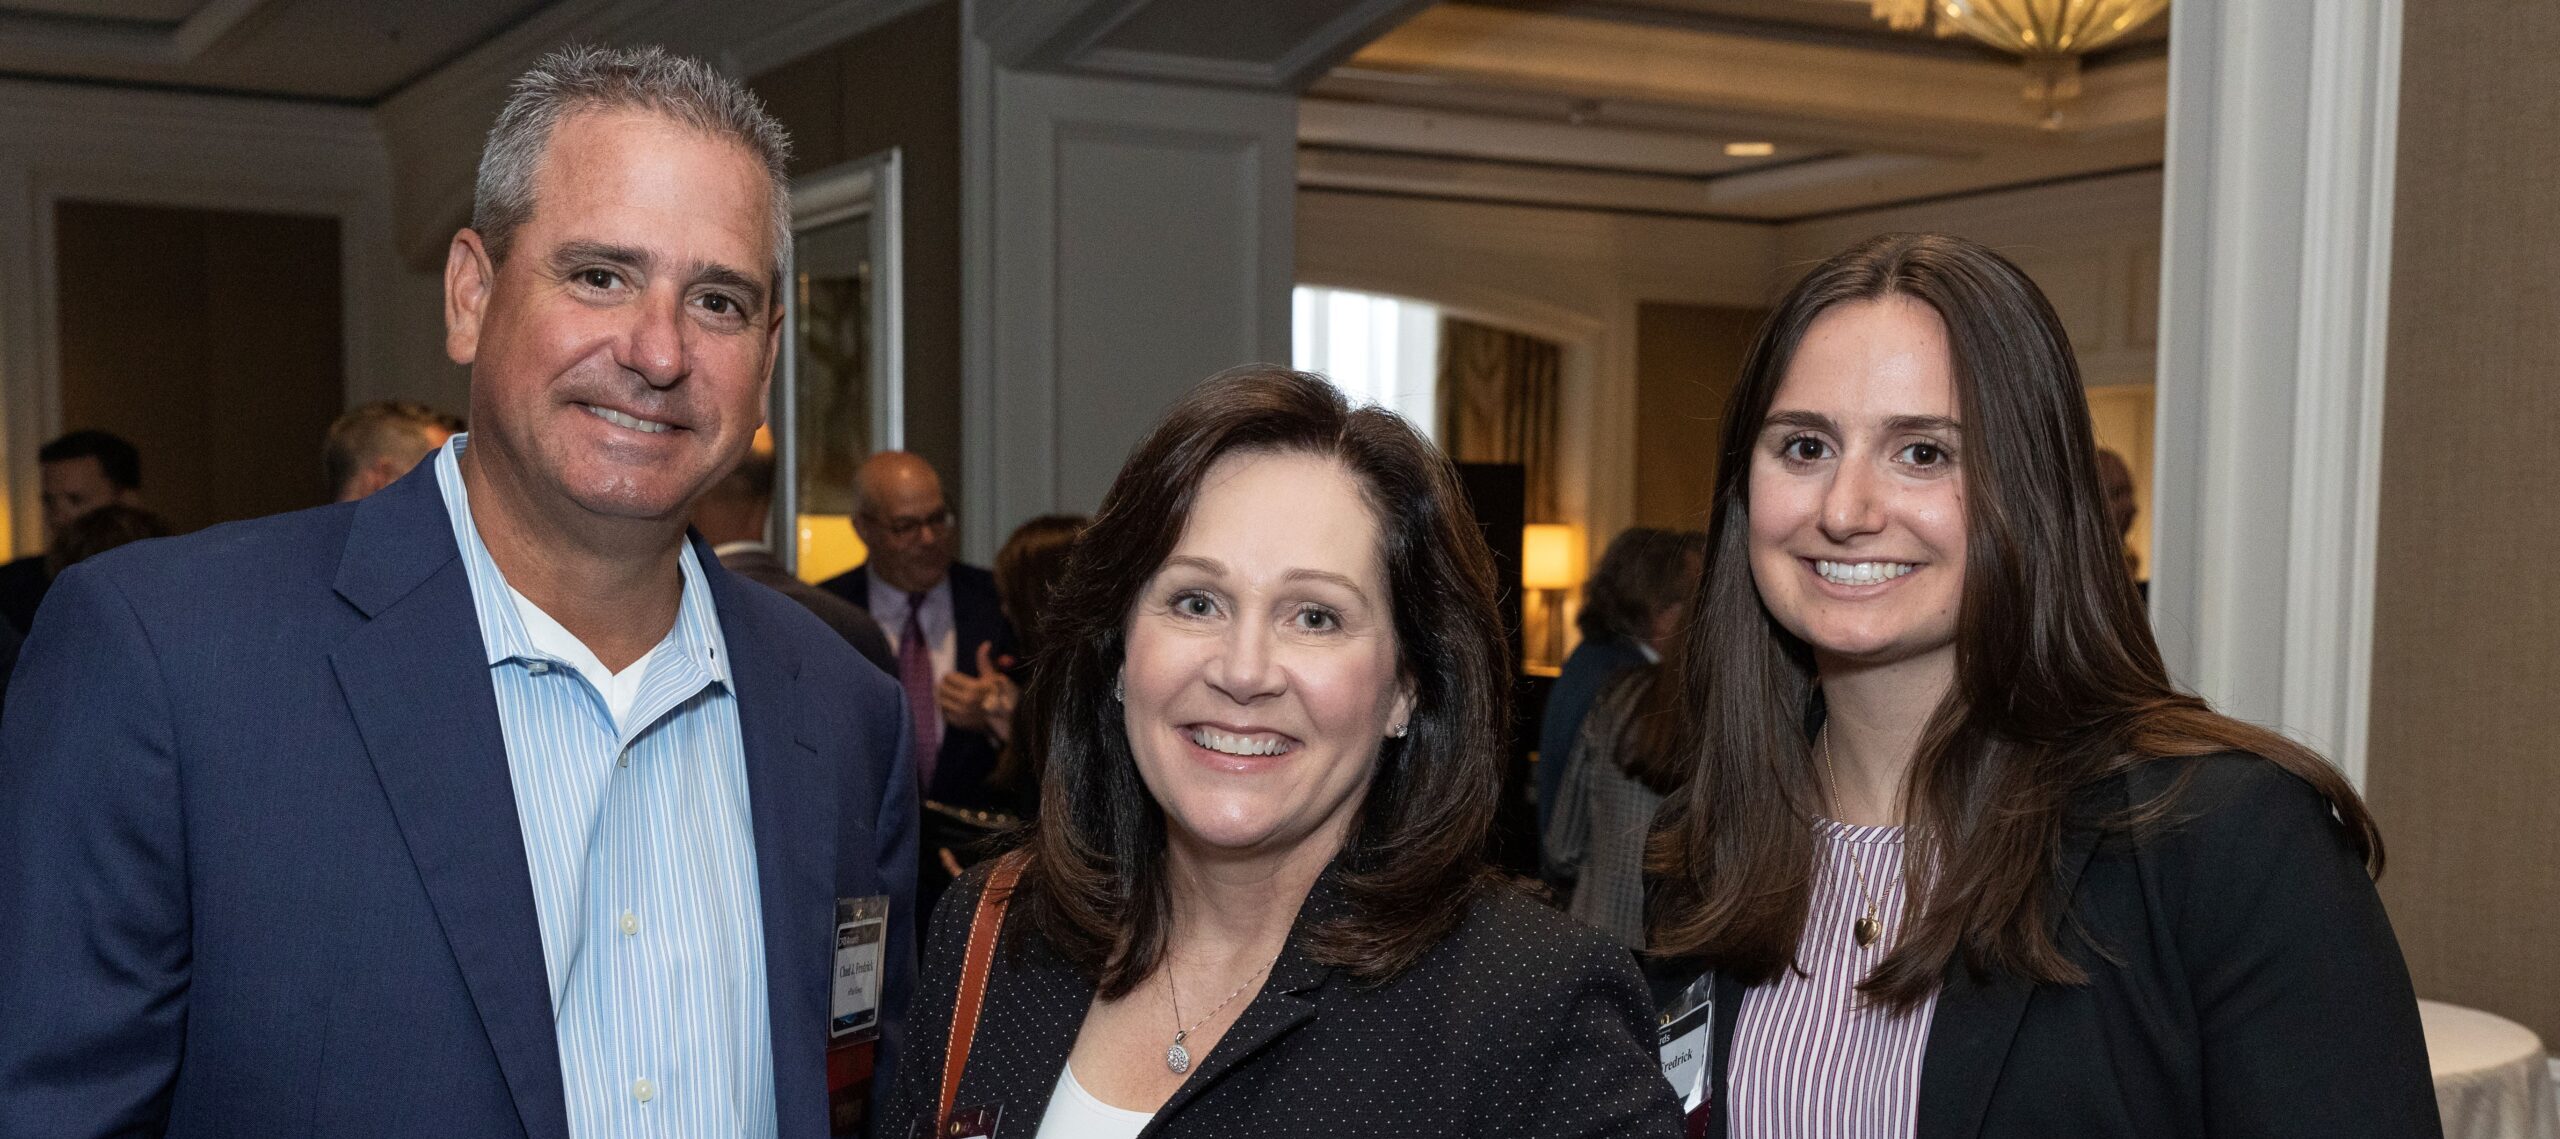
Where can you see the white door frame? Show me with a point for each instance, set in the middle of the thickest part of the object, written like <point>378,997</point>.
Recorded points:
<point>867,187</point>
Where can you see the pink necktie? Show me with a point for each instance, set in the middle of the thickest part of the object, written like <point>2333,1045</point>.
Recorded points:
<point>915,674</point>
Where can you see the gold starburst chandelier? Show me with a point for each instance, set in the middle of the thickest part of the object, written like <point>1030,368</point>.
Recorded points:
<point>2049,36</point>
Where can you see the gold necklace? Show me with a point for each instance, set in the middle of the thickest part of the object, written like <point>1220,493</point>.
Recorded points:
<point>1177,1058</point>
<point>1867,929</point>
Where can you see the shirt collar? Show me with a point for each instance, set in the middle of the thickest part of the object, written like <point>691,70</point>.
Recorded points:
<point>502,631</point>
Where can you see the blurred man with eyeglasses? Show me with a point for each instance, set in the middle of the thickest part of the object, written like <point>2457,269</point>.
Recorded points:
<point>942,617</point>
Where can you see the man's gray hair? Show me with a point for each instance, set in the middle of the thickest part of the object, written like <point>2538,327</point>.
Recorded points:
<point>649,80</point>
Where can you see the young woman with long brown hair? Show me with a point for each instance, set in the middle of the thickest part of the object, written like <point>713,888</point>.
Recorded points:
<point>1957,858</point>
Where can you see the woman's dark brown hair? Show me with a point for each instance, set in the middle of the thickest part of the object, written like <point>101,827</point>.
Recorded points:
<point>2058,684</point>
<point>1095,887</point>
<point>1027,570</point>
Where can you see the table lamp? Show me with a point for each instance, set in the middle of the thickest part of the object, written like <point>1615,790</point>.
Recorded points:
<point>1550,563</point>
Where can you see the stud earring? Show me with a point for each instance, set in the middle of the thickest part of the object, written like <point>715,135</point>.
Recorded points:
<point>1116,696</point>
<point>1397,732</point>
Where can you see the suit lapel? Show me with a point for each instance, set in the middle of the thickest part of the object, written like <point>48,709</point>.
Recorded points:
<point>792,799</point>
<point>416,681</point>
<point>1290,998</point>
<point>1977,1017</point>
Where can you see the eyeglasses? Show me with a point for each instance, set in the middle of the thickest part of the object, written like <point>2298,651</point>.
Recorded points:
<point>902,529</point>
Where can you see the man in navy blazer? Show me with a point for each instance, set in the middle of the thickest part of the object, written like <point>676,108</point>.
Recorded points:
<point>488,805</point>
<point>912,581</point>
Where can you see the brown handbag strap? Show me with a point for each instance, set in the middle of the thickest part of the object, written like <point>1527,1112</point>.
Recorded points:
<point>984,926</point>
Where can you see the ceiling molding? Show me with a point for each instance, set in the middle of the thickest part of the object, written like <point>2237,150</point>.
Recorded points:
<point>1462,134</point>
<point>96,38</point>
<point>1817,188</point>
<point>435,127</point>
<point>1056,35</point>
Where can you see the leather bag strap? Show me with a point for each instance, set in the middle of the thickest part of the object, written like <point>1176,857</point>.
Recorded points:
<point>984,928</point>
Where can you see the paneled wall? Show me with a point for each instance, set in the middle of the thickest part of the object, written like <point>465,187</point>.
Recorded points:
<point>2465,768</point>
<point>2092,244</point>
<point>1124,240</point>
<point>210,339</point>
<point>1687,359</point>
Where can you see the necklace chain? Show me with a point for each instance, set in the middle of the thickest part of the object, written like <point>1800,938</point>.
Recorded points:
<point>1866,929</point>
<point>1178,1058</point>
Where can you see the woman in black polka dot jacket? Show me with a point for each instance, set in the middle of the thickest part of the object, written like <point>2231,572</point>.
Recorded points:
<point>1255,901</point>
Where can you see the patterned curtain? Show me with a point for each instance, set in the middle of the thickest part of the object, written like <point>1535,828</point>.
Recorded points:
<point>1498,400</point>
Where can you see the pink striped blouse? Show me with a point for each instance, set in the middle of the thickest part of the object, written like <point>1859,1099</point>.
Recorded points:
<point>1810,1056</point>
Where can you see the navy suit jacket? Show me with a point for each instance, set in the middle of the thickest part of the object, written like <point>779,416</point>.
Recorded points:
<point>260,859</point>
<point>961,768</point>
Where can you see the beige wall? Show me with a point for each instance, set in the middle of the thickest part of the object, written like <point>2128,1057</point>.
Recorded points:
<point>2464,756</point>
<point>1687,359</point>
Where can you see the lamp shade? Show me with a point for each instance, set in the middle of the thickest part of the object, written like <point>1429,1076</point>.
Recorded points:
<point>1550,556</point>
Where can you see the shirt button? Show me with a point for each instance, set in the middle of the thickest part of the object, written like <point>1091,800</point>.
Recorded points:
<point>625,759</point>
<point>630,923</point>
<point>538,667</point>
<point>643,1090</point>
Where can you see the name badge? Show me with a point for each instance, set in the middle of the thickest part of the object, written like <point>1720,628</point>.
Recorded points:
<point>853,1007</point>
<point>1687,1044</point>
<point>963,1123</point>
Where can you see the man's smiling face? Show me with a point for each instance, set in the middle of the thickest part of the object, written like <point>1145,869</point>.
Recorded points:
<point>621,351</point>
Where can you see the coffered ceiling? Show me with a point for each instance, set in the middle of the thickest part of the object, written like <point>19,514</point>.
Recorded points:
<point>350,51</point>
<point>1766,110</point>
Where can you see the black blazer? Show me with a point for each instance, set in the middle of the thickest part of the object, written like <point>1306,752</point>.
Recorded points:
<point>961,768</point>
<point>1522,1023</point>
<point>2243,980</point>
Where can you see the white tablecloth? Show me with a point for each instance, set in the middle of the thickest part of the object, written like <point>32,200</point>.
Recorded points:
<point>2492,1079</point>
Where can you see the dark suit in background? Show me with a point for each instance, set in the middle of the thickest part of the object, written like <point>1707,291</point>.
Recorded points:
<point>977,618</point>
<point>852,622</point>
<point>260,854</point>
<point>22,586</point>
<point>2243,980</point>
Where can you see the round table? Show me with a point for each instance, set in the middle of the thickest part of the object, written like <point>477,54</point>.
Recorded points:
<point>2492,1079</point>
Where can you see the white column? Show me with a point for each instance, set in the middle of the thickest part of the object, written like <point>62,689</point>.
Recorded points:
<point>2274,282</point>
<point>1123,239</point>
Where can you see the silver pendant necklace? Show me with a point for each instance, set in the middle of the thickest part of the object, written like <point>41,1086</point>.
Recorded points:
<point>1177,1059</point>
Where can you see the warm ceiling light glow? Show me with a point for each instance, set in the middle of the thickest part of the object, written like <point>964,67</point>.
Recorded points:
<point>2049,36</point>
<point>1750,149</point>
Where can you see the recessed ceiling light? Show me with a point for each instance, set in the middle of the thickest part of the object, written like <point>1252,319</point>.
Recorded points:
<point>1750,149</point>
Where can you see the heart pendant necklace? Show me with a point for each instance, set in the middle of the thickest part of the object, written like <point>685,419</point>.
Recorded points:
<point>1867,929</point>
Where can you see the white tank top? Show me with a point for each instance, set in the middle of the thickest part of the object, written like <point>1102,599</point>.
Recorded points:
<point>1074,1113</point>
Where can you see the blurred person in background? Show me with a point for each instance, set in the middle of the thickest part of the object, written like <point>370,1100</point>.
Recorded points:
<point>733,515</point>
<point>1628,612</point>
<point>2115,477</point>
<point>943,619</point>
<point>372,445</point>
<point>1625,760</point>
<point>99,531</point>
<point>1028,567</point>
<point>75,474</point>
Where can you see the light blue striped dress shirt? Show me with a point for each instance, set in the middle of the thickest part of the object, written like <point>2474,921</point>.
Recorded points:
<point>643,860</point>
